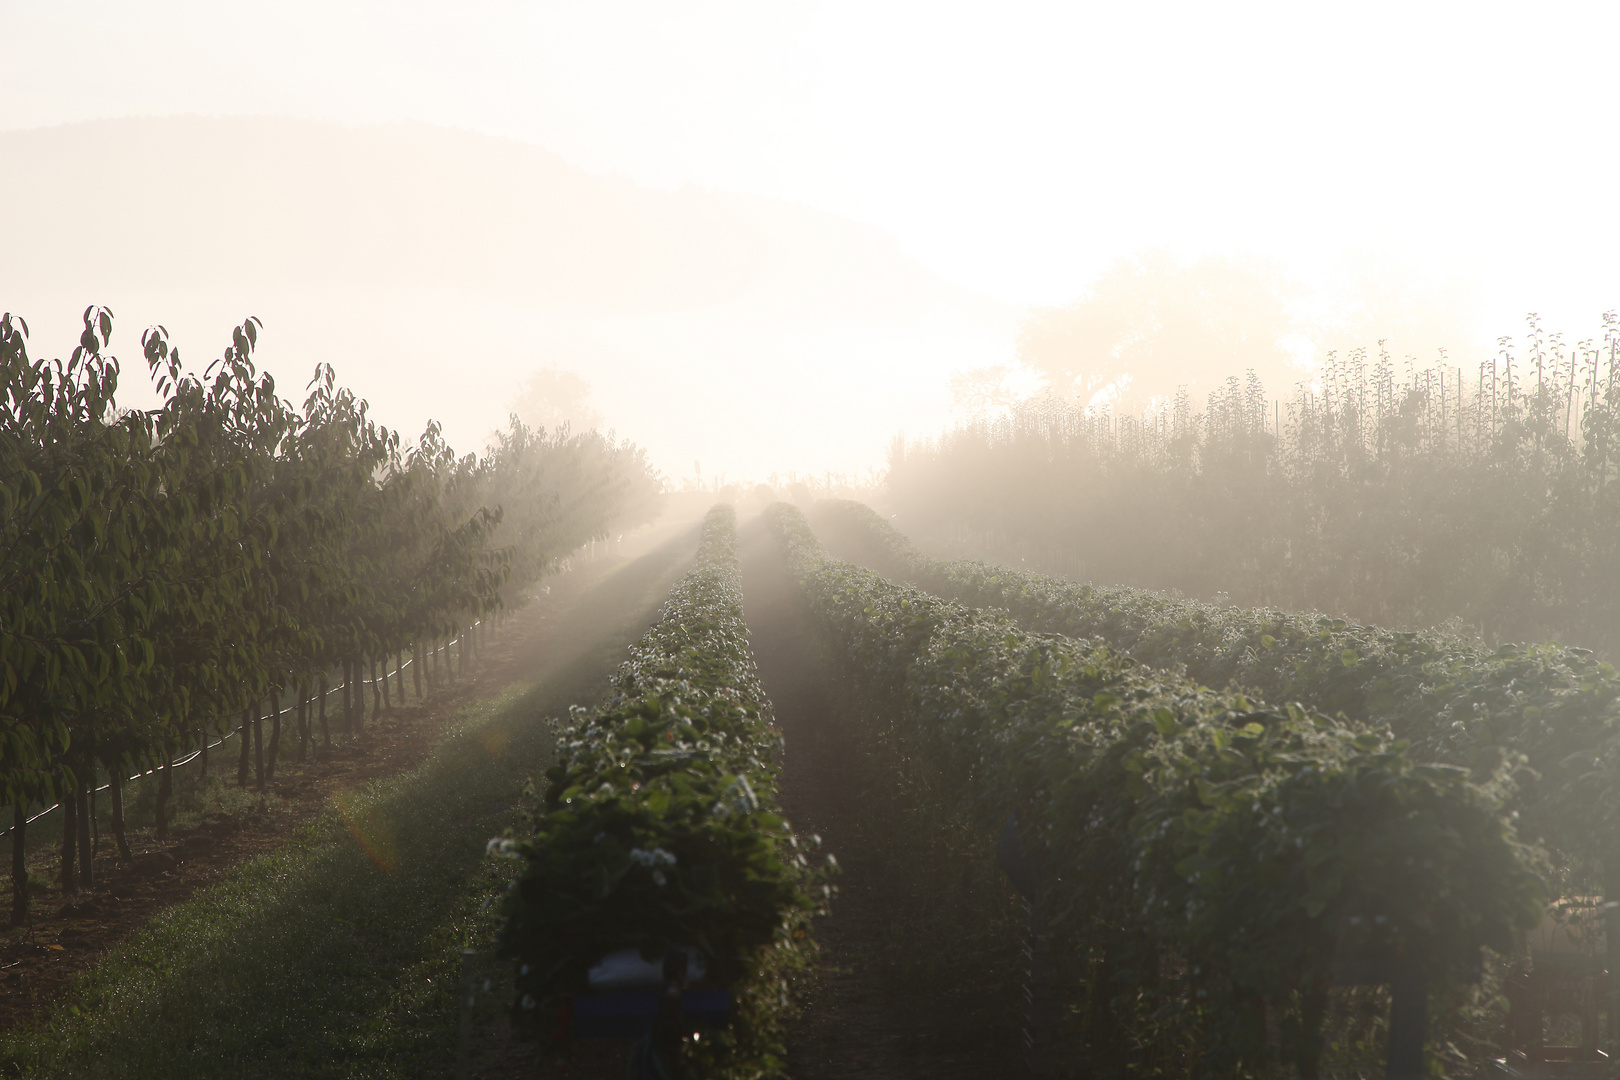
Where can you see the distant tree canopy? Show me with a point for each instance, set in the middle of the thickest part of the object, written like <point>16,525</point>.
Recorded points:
<point>1403,497</point>
<point>983,390</point>
<point>1150,325</point>
<point>552,397</point>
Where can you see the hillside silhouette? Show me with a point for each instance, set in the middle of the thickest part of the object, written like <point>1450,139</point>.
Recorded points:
<point>388,248</point>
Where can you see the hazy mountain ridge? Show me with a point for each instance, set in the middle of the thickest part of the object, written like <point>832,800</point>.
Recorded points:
<point>437,269</point>
<point>269,201</point>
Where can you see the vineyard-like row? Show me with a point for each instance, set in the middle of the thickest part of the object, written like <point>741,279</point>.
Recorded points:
<point>1452,699</point>
<point>163,571</point>
<point>1212,854</point>
<point>658,830</point>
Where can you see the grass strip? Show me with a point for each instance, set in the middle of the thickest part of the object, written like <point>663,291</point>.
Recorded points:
<point>337,956</point>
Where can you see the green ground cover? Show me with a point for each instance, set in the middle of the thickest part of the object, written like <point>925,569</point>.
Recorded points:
<point>338,955</point>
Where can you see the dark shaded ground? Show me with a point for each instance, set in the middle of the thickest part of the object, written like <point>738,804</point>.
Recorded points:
<point>918,976</point>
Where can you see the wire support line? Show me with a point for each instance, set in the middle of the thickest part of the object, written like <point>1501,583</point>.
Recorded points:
<point>362,682</point>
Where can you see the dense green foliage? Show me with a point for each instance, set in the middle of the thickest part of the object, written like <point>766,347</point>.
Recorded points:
<point>1452,699</point>
<point>658,828</point>
<point>164,570</point>
<point>1403,498</point>
<point>337,955</point>
<point>1174,821</point>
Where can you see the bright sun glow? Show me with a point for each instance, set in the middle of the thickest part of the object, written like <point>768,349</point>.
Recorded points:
<point>824,211</point>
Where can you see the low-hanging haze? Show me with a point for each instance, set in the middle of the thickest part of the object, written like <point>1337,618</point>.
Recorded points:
<point>766,234</point>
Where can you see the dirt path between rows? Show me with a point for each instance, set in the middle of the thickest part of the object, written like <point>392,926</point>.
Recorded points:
<point>70,934</point>
<point>898,993</point>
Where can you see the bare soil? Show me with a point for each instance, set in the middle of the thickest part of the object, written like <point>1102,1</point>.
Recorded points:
<point>909,984</point>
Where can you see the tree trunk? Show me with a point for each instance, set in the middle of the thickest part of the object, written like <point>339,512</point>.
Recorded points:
<point>376,691</point>
<point>19,864</point>
<point>387,704</point>
<point>1611,934</point>
<point>416,668</point>
<point>433,665</point>
<point>247,737</point>
<point>120,840</point>
<point>357,698</point>
<point>202,730</point>
<point>1408,1024</point>
<point>275,736</point>
<point>87,854</point>
<point>326,730</point>
<point>450,662</point>
<point>70,831</point>
<point>258,750</point>
<point>348,697</point>
<point>1102,1032</point>
<point>161,809</point>
<point>1308,1048</point>
<point>303,720</point>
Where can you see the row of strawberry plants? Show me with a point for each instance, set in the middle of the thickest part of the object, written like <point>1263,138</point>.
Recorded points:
<point>658,828</point>
<point>1453,699</point>
<point>1174,821</point>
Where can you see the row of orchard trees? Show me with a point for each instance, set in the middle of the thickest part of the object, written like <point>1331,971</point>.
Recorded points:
<point>164,572</point>
<point>1399,495</point>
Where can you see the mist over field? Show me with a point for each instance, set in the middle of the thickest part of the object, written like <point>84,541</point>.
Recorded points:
<point>770,240</point>
<point>443,269</point>
<point>738,540</point>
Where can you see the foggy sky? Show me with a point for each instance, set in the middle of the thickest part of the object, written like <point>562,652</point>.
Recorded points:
<point>437,269</point>
<point>1015,151</point>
